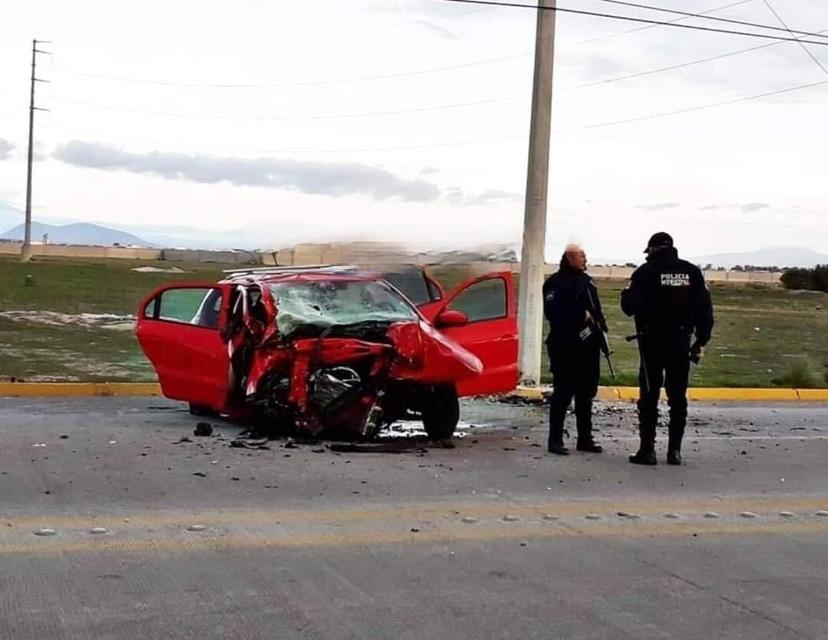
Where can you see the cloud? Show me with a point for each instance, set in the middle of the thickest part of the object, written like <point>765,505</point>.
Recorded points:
<point>305,176</point>
<point>494,197</point>
<point>490,197</point>
<point>6,148</point>
<point>662,206</point>
<point>438,29</point>
<point>752,207</point>
<point>711,207</point>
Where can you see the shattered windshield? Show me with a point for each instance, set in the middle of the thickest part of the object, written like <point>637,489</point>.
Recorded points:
<point>337,303</point>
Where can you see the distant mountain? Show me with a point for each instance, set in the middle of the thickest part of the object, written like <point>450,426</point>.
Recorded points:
<point>768,257</point>
<point>78,233</point>
<point>9,216</point>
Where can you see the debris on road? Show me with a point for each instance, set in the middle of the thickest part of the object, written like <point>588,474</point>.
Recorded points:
<point>386,446</point>
<point>203,429</point>
<point>248,443</point>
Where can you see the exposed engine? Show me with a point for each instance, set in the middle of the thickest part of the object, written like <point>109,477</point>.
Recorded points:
<point>329,386</point>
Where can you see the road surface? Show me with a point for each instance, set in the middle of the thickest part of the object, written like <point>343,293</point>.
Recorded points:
<point>147,536</point>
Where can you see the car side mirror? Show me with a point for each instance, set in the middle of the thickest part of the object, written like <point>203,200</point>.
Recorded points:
<point>452,319</point>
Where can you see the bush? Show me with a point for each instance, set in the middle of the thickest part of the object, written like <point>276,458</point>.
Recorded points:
<point>798,279</point>
<point>820,277</point>
<point>801,374</point>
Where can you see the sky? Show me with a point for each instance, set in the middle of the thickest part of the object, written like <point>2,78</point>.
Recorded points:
<point>271,122</point>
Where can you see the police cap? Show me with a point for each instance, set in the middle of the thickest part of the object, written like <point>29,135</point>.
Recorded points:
<point>659,240</point>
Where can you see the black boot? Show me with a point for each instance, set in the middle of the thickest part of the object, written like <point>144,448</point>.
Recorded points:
<point>674,444</point>
<point>558,405</point>
<point>644,457</point>
<point>646,451</point>
<point>589,445</point>
<point>558,449</point>
<point>556,443</point>
<point>583,420</point>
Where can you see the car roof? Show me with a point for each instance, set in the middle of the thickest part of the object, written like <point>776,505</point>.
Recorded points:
<point>314,273</point>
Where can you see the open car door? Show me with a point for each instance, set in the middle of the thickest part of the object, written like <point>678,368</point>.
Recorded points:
<point>491,333</point>
<point>178,328</point>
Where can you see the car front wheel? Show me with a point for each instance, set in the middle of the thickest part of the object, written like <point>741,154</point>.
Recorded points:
<point>441,412</point>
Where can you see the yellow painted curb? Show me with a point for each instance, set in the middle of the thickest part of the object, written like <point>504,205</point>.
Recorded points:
<point>746,395</point>
<point>78,389</point>
<point>699,394</point>
<point>611,394</point>
<point>813,395</point>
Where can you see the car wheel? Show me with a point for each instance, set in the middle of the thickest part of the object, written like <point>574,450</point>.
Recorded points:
<point>441,412</point>
<point>202,411</point>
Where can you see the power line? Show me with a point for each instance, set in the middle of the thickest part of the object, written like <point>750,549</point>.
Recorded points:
<point>614,16</point>
<point>288,151</point>
<point>655,26</point>
<point>403,74</point>
<point>713,18</point>
<point>311,36</point>
<point>702,107</point>
<point>672,67</point>
<point>396,112</point>
<point>804,48</point>
<point>292,84</point>
<point>343,116</point>
<point>459,143</point>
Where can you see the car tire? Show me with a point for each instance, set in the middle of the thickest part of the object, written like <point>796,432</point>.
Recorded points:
<point>441,412</point>
<point>202,411</point>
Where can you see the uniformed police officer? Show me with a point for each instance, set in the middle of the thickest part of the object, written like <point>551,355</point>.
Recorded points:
<point>572,307</point>
<point>671,305</point>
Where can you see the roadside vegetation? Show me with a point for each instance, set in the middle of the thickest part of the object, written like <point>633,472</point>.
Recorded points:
<point>815,279</point>
<point>73,320</point>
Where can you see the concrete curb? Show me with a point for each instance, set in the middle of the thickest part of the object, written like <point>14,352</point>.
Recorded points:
<point>78,389</point>
<point>699,394</point>
<point>612,394</point>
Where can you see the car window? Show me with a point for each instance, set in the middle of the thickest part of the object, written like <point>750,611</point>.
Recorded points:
<point>199,307</point>
<point>484,300</point>
<point>412,282</point>
<point>337,303</point>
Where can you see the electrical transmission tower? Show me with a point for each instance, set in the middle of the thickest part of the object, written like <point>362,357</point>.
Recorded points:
<point>27,239</point>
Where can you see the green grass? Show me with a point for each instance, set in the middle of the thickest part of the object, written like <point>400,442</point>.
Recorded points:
<point>792,326</point>
<point>34,351</point>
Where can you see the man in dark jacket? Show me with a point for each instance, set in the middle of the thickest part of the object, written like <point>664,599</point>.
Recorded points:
<point>575,318</point>
<point>671,303</point>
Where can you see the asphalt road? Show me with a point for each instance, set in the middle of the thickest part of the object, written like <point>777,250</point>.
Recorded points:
<point>151,537</point>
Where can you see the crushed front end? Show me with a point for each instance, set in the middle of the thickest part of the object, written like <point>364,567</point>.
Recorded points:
<point>335,354</point>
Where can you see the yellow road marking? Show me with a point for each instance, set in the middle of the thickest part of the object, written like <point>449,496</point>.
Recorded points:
<point>462,533</point>
<point>393,513</point>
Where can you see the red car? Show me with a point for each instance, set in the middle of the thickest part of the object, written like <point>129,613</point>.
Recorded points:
<point>332,348</point>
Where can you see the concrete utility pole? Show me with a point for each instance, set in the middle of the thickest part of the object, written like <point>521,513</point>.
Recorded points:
<point>532,263</point>
<point>27,238</point>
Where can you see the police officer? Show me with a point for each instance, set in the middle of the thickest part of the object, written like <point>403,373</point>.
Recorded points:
<point>572,307</point>
<point>671,305</point>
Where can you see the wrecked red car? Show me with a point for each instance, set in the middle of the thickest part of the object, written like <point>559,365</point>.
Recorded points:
<point>307,350</point>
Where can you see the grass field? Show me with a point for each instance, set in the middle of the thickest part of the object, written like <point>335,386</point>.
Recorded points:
<point>763,337</point>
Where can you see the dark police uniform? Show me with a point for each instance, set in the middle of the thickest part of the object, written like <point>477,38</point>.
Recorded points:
<point>574,352</point>
<point>670,302</point>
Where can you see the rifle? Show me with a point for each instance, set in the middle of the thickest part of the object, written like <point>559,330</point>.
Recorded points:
<point>604,340</point>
